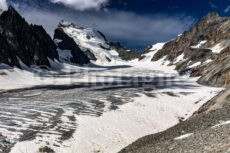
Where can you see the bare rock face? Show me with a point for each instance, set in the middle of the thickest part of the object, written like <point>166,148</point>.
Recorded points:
<point>124,53</point>
<point>20,41</point>
<point>217,73</point>
<point>67,43</point>
<point>204,29</point>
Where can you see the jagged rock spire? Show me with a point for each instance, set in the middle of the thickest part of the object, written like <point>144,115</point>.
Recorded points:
<point>210,17</point>
<point>21,41</point>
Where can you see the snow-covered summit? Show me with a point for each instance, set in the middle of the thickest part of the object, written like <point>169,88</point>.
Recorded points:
<point>89,32</point>
<point>90,41</point>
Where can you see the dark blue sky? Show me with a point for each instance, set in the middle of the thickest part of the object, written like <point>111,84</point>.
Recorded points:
<point>196,8</point>
<point>134,23</point>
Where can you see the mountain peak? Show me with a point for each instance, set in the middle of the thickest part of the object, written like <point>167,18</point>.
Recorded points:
<point>11,16</point>
<point>29,43</point>
<point>210,17</point>
<point>64,23</point>
<point>89,32</point>
<point>213,14</point>
<point>12,10</point>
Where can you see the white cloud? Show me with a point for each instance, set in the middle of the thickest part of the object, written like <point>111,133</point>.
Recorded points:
<point>227,9</point>
<point>127,27</point>
<point>3,4</point>
<point>82,4</point>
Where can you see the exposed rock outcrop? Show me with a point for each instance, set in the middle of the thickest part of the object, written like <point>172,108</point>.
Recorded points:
<point>64,42</point>
<point>202,50</point>
<point>20,41</point>
<point>124,53</point>
<point>202,31</point>
<point>217,73</point>
<point>85,44</point>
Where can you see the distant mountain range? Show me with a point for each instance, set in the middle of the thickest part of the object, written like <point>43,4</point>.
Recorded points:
<point>199,51</point>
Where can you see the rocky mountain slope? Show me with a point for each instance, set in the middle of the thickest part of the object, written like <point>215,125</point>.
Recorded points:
<point>21,42</point>
<point>217,73</point>
<point>125,53</point>
<point>67,48</point>
<point>200,50</point>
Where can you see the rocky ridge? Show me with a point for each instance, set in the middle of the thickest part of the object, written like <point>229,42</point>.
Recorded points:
<point>200,49</point>
<point>21,42</point>
<point>125,53</point>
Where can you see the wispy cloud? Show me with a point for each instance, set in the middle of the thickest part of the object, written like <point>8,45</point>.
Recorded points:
<point>213,5</point>
<point>3,4</point>
<point>82,4</point>
<point>227,9</point>
<point>127,27</point>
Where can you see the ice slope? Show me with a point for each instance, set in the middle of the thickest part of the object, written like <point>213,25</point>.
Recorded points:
<point>91,40</point>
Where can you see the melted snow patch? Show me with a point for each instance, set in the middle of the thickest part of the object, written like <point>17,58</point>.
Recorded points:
<point>195,65</point>
<point>180,58</point>
<point>208,61</point>
<point>217,48</point>
<point>199,44</point>
<point>157,46</point>
<point>221,124</point>
<point>183,136</point>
